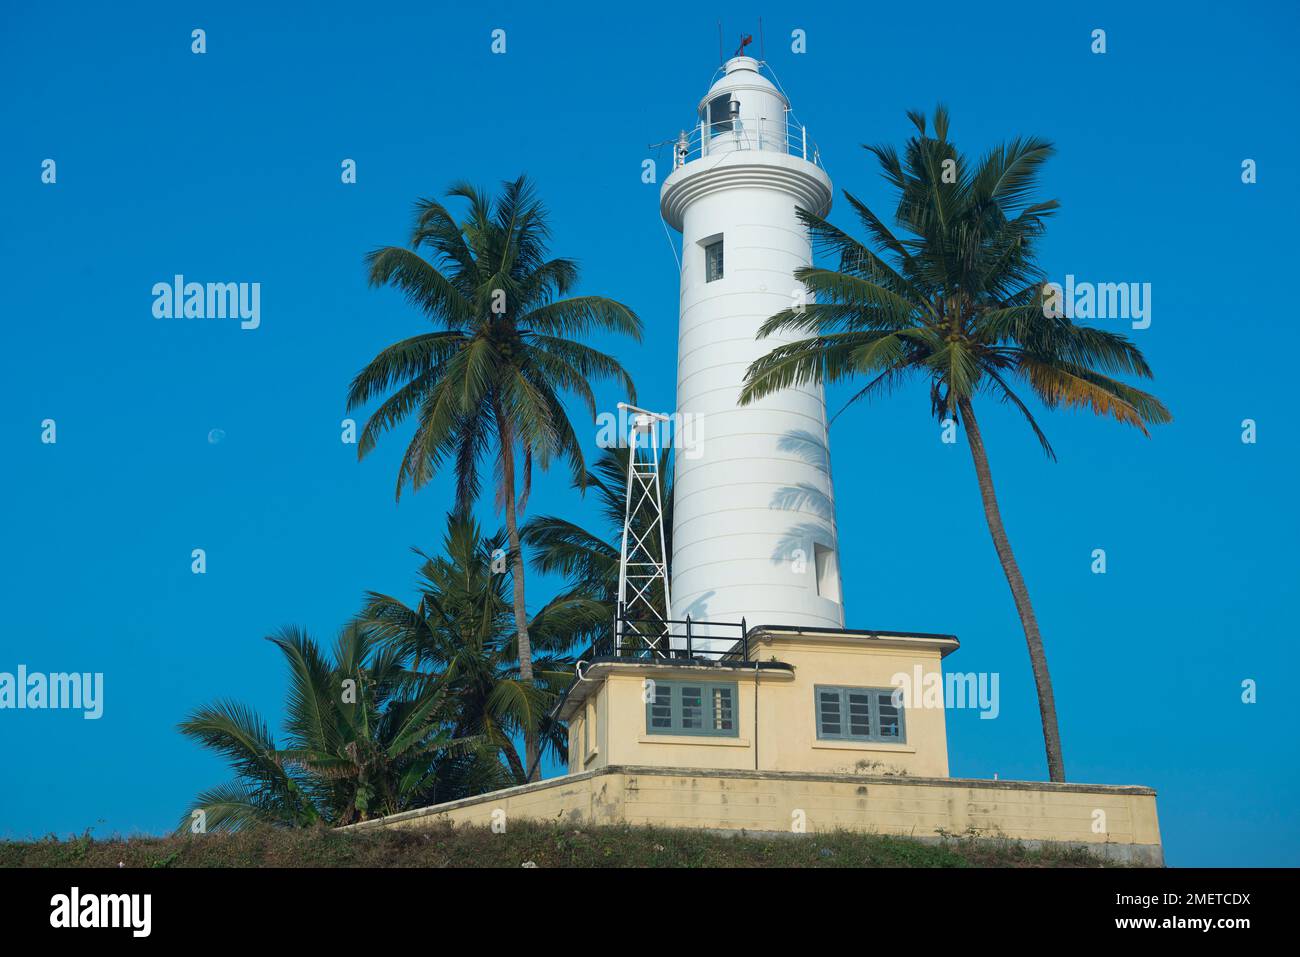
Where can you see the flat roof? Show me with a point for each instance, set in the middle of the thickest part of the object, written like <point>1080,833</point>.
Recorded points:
<point>947,644</point>
<point>869,634</point>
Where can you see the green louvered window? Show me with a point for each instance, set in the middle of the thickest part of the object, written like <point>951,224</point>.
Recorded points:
<point>859,714</point>
<point>683,707</point>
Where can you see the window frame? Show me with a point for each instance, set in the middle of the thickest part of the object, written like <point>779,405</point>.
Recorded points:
<point>590,744</point>
<point>724,125</point>
<point>826,572</point>
<point>873,736</point>
<point>709,713</point>
<point>708,245</point>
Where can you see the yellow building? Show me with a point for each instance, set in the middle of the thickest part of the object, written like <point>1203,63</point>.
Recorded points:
<point>793,730</point>
<point>786,699</point>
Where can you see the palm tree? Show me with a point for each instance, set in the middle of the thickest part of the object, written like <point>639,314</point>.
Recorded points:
<point>489,381</point>
<point>462,646</point>
<point>357,745</point>
<point>264,790</point>
<point>957,301</point>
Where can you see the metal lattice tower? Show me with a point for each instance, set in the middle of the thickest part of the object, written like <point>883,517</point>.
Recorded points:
<point>641,621</point>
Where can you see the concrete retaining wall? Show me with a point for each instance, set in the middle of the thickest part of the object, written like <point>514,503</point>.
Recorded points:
<point>1116,821</point>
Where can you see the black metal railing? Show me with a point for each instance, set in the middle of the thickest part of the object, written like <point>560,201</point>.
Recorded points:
<point>672,639</point>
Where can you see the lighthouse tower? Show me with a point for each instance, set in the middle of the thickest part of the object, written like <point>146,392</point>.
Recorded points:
<point>754,533</point>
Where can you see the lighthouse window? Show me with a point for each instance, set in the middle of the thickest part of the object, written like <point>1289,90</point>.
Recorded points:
<point>859,714</point>
<point>713,261</point>
<point>828,572</point>
<point>703,709</point>
<point>589,730</point>
<point>720,114</point>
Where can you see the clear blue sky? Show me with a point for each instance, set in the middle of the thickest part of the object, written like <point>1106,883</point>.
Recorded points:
<point>225,167</point>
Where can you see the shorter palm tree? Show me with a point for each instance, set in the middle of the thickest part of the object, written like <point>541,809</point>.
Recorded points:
<point>263,791</point>
<point>359,743</point>
<point>461,642</point>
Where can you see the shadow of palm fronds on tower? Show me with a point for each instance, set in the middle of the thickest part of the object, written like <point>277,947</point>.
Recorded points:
<point>805,499</point>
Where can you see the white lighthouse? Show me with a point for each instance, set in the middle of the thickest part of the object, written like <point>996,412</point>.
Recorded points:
<point>754,534</point>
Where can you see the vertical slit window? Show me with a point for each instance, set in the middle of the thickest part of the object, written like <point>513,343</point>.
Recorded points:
<point>713,261</point>
<point>826,566</point>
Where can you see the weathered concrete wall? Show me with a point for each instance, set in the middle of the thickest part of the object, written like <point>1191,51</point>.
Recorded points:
<point>1117,821</point>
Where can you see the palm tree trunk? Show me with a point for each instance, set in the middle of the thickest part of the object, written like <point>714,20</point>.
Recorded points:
<point>512,760</point>
<point>517,577</point>
<point>1037,657</point>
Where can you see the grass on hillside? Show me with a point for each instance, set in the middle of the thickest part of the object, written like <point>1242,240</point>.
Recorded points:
<point>539,844</point>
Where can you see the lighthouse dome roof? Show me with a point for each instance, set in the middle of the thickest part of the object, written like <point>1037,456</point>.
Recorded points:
<point>742,73</point>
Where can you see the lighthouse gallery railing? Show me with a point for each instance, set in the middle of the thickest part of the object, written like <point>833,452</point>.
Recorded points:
<point>729,136</point>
